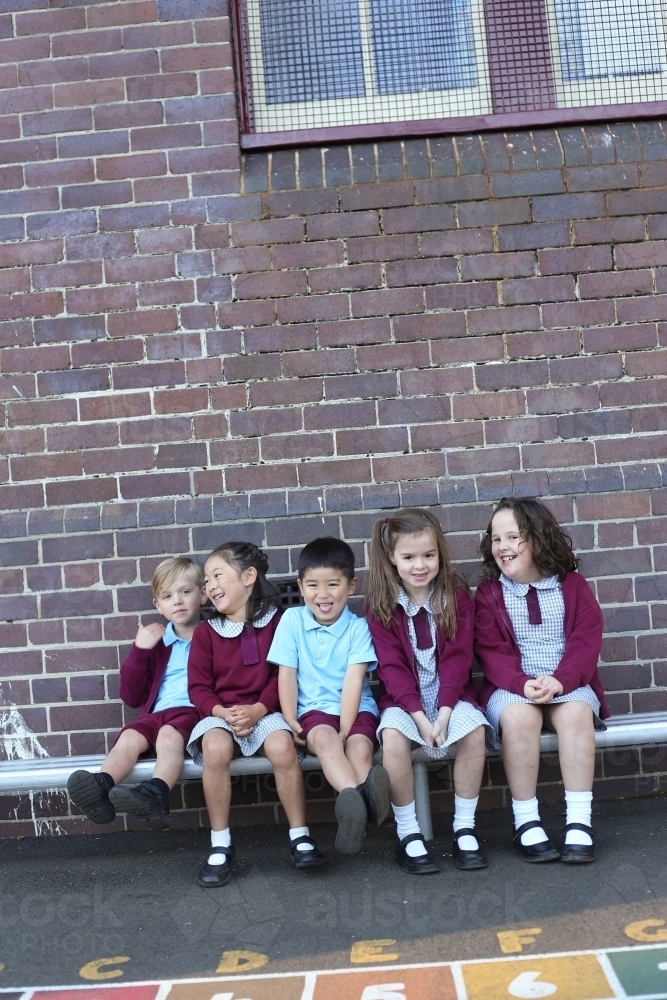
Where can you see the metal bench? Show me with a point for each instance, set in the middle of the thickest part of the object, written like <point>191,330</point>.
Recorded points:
<point>42,774</point>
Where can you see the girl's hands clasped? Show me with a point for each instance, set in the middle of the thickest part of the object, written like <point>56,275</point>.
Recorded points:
<point>542,690</point>
<point>433,734</point>
<point>440,726</point>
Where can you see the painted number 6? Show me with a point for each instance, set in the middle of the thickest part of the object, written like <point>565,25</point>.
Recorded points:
<point>526,987</point>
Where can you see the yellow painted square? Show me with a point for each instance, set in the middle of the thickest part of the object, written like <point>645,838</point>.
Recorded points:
<point>576,977</point>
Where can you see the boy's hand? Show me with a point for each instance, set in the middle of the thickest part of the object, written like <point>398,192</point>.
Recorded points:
<point>299,739</point>
<point>343,736</point>
<point>441,726</point>
<point>149,635</point>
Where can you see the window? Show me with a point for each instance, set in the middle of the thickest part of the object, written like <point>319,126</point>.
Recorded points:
<point>365,68</point>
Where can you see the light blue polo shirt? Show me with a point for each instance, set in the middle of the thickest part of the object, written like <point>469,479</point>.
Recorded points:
<point>173,690</point>
<point>321,655</point>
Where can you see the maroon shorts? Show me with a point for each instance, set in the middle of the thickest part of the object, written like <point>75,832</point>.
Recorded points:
<point>184,719</point>
<point>365,724</point>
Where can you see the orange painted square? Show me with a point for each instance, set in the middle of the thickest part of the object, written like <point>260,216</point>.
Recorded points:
<point>417,984</point>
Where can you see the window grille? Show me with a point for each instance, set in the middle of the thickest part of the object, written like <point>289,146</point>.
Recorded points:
<point>365,68</point>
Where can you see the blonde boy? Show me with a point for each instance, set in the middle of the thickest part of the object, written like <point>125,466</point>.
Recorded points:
<point>153,677</point>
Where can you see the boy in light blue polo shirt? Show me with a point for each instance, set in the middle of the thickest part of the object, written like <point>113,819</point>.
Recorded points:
<point>325,654</point>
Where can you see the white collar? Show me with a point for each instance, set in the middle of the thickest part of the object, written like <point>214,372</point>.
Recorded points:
<point>230,630</point>
<point>521,589</point>
<point>409,606</point>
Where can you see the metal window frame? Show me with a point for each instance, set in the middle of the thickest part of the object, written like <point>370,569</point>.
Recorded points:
<point>494,122</point>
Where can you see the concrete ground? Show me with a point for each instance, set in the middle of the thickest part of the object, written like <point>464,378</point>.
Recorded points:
<point>70,903</point>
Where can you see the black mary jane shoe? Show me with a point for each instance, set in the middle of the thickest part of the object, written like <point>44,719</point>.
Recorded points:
<point>579,854</point>
<point>375,793</point>
<point>215,876</point>
<point>144,801</point>
<point>534,853</point>
<point>312,858</point>
<point>423,865</point>
<point>467,860</point>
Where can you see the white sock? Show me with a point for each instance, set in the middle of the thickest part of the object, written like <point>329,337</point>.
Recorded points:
<point>300,831</point>
<point>219,838</point>
<point>578,810</point>
<point>406,823</point>
<point>527,812</point>
<point>464,819</point>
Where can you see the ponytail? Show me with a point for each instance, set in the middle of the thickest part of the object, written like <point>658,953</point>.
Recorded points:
<point>243,556</point>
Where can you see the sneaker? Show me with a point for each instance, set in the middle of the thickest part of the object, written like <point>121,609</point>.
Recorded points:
<point>375,793</point>
<point>351,814</point>
<point>144,801</point>
<point>89,793</point>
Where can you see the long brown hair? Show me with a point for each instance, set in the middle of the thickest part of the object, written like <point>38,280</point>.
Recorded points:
<point>383,579</point>
<point>552,547</point>
<point>243,555</point>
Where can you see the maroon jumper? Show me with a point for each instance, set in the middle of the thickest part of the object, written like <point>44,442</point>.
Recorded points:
<point>499,656</point>
<point>396,661</point>
<point>218,675</point>
<point>140,678</point>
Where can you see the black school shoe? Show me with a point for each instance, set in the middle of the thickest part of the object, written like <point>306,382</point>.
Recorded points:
<point>312,858</point>
<point>351,814</point>
<point>89,793</point>
<point>423,865</point>
<point>534,853</point>
<point>579,854</point>
<point>144,801</point>
<point>467,860</point>
<point>375,793</point>
<point>215,876</point>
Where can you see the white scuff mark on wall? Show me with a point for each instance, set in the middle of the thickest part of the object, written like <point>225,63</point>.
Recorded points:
<point>17,738</point>
<point>18,742</point>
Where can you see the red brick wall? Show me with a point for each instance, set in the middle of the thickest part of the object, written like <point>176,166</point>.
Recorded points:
<point>196,345</point>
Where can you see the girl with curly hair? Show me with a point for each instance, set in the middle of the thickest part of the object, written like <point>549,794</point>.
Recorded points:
<point>538,634</point>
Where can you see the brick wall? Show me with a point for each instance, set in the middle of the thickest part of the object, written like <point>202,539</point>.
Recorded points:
<point>196,345</point>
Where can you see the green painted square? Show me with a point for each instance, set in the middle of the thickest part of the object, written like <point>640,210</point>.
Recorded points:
<point>639,971</point>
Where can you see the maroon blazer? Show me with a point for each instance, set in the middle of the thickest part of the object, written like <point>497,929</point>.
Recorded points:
<point>235,671</point>
<point>397,668</point>
<point>141,675</point>
<point>498,653</point>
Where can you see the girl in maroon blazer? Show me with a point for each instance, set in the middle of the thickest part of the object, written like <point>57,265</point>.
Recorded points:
<point>420,614</point>
<point>538,633</point>
<point>235,690</point>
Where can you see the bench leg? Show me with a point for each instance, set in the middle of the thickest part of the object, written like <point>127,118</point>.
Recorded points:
<point>423,799</point>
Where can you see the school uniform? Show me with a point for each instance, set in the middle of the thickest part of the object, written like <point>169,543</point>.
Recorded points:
<point>321,654</point>
<point>228,666</point>
<point>156,680</point>
<point>548,627</point>
<point>421,670</point>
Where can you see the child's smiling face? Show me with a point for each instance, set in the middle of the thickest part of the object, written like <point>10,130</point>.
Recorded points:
<point>417,561</point>
<point>227,588</point>
<point>513,554</point>
<point>325,592</point>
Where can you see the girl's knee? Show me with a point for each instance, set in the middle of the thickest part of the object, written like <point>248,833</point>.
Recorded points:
<point>217,748</point>
<point>395,743</point>
<point>474,741</point>
<point>572,716</point>
<point>279,749</point>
